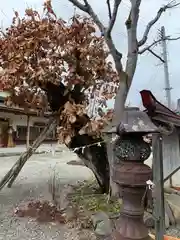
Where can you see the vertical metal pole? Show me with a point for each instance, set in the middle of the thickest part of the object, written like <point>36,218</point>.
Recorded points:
<point>166,70</point>
<point>166,75</point>
<point>159,210</point>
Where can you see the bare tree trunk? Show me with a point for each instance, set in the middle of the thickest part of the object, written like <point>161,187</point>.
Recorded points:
<point>14,171</point>
<point>114,189</point>
<point>125,77</point>
<point>94,157</point>
<point>117,117</point>
<point>28,132</point>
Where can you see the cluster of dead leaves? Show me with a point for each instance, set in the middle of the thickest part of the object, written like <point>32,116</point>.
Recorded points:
<point>36,50</point>
<point>72,118</point>
<point>74,121</point>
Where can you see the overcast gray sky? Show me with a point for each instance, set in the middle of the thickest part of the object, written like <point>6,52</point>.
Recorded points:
<point>149,73</point>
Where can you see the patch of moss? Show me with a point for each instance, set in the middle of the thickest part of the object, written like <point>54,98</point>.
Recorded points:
<point>86,197</point>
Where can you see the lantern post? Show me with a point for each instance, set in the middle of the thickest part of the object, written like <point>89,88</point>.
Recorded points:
<point>131,174</point>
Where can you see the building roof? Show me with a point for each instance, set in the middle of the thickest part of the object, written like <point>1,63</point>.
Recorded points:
<point>157,111</point>
<point>21,111</point>
<point>18,110</point>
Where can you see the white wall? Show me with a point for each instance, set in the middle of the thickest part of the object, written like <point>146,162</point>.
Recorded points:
<point>21,119</point>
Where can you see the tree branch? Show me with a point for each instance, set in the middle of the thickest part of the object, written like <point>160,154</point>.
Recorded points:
<point>127,76</point>
<point>172,39</point>
<point>117,56</point>
<point>156,42</point>
<point>131,25</point>
<point>114,52</point>
<point>153,21</point>
<point>156,55</point>
<point>149,46</point>
<point>94,16</point>
<point>109,9</point>
<point>113,18</point>
<point>88,9</point>
<point>79,5</point>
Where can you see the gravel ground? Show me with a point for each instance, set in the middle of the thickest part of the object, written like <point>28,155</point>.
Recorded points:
<point>32,184</point>
<point>173,231</point>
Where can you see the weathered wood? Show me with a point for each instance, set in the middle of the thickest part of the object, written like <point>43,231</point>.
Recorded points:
<point>14,171</point>
<point>171,157</point>
<point>159,211</point>
<point>26,155</point>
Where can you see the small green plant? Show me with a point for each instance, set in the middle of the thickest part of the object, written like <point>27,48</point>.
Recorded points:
<point>54,187</point>
<point>86,197</point>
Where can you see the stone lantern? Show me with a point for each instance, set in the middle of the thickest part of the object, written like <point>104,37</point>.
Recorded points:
<point>131,174</point>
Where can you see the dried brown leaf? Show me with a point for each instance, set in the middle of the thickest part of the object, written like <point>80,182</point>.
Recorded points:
<point>35,50</point>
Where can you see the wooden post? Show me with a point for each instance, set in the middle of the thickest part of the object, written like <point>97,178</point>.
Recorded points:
<point>10,142</point>
<point>1,137</point>
<point>159,210</point>
<point>28,131</point>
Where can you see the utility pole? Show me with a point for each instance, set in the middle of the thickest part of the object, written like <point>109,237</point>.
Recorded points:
<point>166,76</point>
<point>166,70</point>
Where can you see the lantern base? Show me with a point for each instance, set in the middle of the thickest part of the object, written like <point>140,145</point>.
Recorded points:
<point>131,228</point>
<point>118,236</point>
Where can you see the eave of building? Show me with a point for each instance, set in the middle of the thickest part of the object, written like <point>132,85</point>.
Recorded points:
<point>21,111</point>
